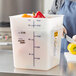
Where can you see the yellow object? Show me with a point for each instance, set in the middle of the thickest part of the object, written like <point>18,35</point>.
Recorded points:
<point>72,48</point>
<point>26,15</point>
<point>56,34</point>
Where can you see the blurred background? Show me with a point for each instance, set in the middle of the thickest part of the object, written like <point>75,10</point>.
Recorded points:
<point>14,7</point>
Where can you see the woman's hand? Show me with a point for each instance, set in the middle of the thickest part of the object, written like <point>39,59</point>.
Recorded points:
<point>64,30</point>
<point>74,37</point>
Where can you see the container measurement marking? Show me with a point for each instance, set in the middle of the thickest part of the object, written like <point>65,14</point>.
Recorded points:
<point>29,19</point>
<point>37,35</point>
<point>33,54</point>
<point>33,25</point>
<point>36,46</point>
<point>39,20</point>
<point>30,39</point>
<point>22,32</point>
<point>37,58</point>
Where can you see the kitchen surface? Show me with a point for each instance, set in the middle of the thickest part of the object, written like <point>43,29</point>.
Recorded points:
<point>34,35</point>
<point>6,67</point>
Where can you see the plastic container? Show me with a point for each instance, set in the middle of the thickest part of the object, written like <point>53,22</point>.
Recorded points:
<point>36,41</point>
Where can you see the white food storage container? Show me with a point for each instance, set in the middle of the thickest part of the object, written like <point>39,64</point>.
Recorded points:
<point>36,41</point>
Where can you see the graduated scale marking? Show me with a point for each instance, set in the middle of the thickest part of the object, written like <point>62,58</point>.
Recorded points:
<point>34,24</point>
<point>34,46</point>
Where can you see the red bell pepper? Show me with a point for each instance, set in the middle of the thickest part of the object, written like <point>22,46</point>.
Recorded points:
<point>39,15</point>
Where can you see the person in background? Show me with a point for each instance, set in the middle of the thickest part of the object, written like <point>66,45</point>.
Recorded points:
<point>54,9</point>
<point>56,6</point>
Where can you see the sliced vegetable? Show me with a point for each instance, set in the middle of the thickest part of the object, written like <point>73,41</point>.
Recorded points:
<point>72,48</point>
<point>26,15</point>
<point>39,15</point>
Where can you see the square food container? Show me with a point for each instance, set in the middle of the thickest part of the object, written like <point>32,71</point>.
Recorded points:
<point>36,41</point>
